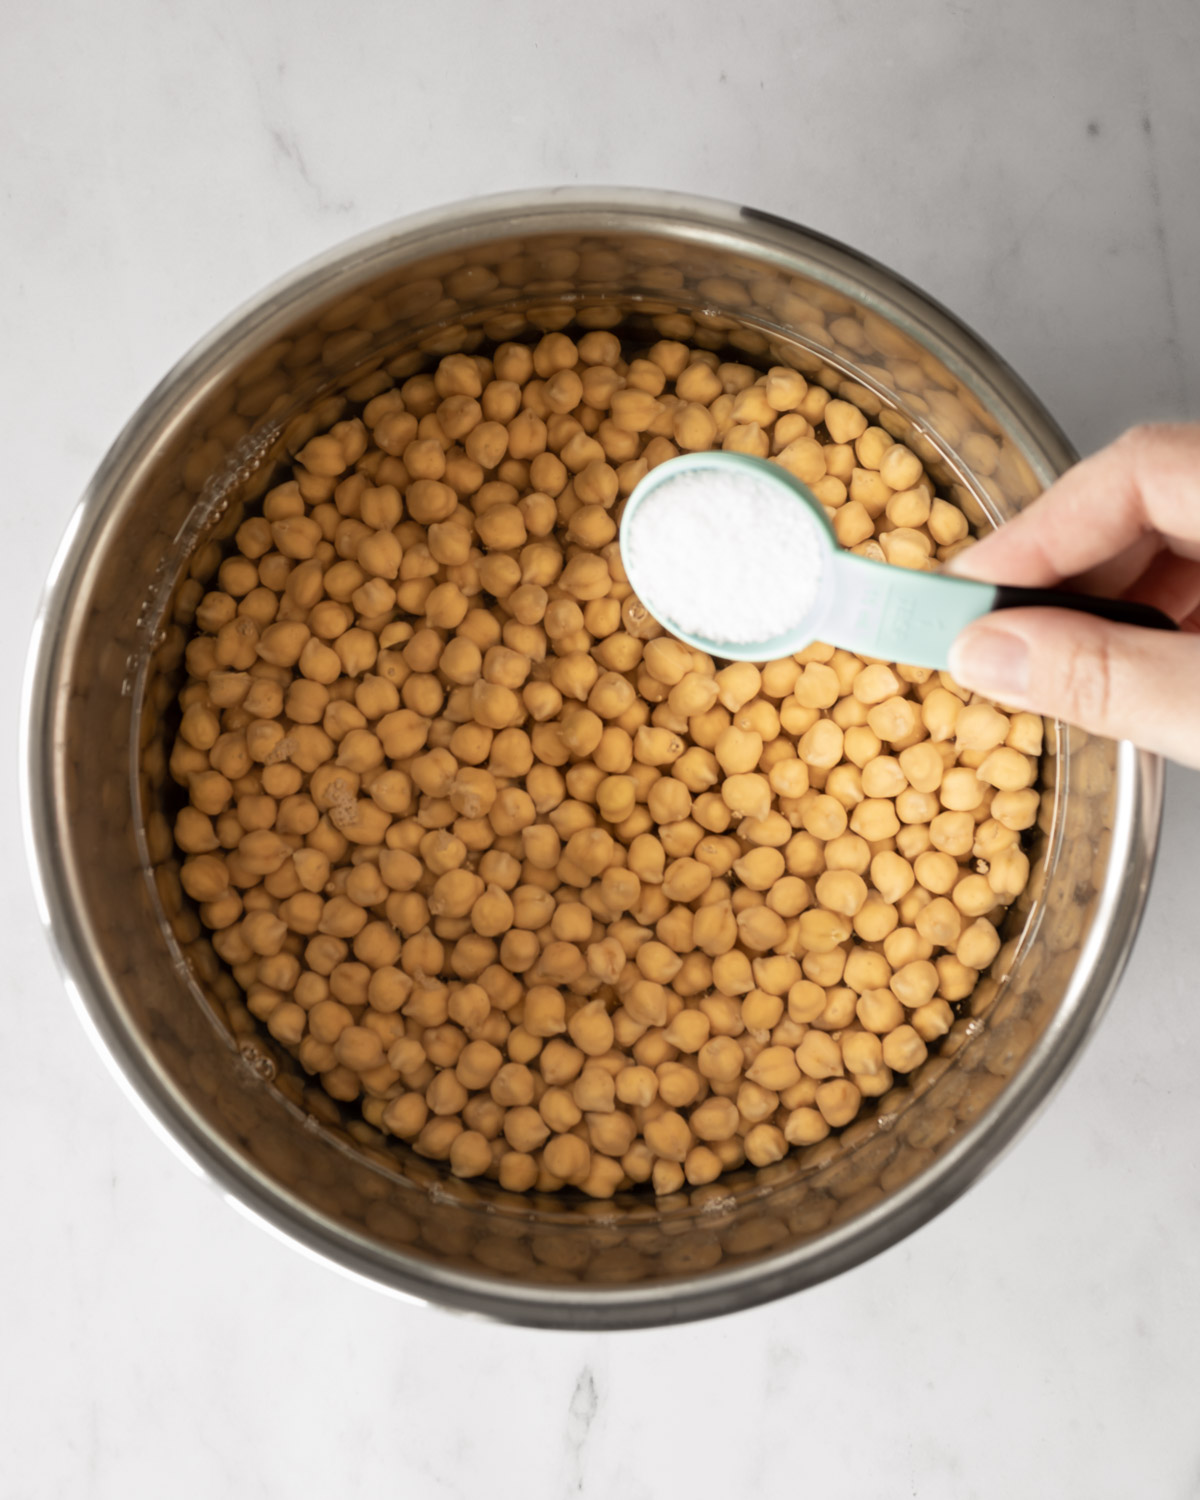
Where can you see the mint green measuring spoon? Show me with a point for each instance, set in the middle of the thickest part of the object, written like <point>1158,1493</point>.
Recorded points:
<point>870,608</point>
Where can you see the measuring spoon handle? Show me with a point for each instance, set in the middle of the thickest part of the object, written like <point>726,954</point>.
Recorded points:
<point>1120,611</point>
<point>900,614</point>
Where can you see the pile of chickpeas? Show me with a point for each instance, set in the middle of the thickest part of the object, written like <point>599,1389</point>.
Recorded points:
<point>560,900</point>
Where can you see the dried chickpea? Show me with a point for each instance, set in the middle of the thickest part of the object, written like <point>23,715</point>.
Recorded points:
<point>903,1049</point>
<point>629,914</point>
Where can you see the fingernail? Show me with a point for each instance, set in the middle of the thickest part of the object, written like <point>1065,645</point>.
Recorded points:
<point>991,661</point>
<point>962,565</point>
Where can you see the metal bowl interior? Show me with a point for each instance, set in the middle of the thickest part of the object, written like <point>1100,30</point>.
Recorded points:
<point>108,654</point>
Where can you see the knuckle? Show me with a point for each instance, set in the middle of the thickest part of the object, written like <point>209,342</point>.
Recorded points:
<point>1148,439</point>
<point>1087,672</point>
<point>1142,434</point>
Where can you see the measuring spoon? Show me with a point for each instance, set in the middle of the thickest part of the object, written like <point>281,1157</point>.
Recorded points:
<point>870,608</point>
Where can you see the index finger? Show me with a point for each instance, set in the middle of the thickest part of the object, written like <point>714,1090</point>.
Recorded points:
<point>1148,481</point>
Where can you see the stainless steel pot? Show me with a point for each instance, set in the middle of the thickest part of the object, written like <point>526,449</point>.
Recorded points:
<point>108,654</point>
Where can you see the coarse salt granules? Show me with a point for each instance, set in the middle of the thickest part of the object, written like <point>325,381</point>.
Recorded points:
<point>728,557</point>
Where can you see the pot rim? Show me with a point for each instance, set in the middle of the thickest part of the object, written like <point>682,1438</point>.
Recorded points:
<point>45,702</point>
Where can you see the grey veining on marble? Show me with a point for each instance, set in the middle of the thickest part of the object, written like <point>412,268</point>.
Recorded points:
<point>1034,166</point>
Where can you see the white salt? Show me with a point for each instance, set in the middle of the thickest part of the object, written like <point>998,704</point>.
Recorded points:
<point>726,556</point>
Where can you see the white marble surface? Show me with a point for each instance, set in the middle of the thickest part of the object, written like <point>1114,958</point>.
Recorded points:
<point>1031,164</point>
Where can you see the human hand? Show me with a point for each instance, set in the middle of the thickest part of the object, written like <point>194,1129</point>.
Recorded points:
<point>1123,523</point>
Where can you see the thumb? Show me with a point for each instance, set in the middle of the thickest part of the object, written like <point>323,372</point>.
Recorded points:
<point>1119,681</point>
